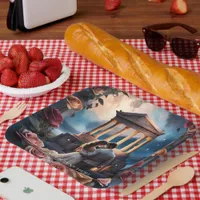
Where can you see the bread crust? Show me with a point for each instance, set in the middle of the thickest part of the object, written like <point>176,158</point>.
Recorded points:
<point>174,84</point>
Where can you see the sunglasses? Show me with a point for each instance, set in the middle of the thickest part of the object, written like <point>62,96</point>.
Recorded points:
<point>183,48</point>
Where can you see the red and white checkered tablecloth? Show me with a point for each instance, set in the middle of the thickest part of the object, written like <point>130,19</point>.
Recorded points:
<point>83,75</point>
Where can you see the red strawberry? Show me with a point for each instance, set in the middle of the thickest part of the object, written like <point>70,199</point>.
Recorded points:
<point>9,78</point>
<point>1,55</point>
<point>53,73</point>
<point>15,50</point>
<point>112,4</point>
<point>179,7</point>
<point>37,66</point>
<point>5,62</point>
<point>8,61</point>
<point>35,54</point>
<point>21,63</point>
<point>31,79</point>
<point>54,68</point>
<point>54,62</point>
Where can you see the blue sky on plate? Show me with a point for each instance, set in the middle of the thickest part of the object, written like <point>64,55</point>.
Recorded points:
<point>86,120</point>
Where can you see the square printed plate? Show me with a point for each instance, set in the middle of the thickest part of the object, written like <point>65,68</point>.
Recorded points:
<point>98,133</point>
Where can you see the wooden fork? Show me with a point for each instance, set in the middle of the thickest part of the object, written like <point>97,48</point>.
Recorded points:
<point>14,112</point>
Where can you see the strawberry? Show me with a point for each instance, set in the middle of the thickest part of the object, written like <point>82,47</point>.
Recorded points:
<point>35,54</point>
<point>52,73</point>
<point>31,79</point>
<point>1,55</point>
<point>15,50</point>
<point>21,63</point>
<point>54,62</point>
<point>9,78</point>
<point>179,7</point>
<point>8,61</point>
<point>112,4</point>
<point>2,66</point>
<point>37,66</point>
<point>5,62</point>
<point>54,68</point>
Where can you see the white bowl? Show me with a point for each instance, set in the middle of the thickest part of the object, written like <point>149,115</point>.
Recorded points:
<point>37,91</point>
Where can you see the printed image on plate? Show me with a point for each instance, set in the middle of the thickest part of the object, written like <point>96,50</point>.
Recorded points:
<point>95,135</point>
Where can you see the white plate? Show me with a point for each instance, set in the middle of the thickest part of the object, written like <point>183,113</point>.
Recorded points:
<point>37,91</point>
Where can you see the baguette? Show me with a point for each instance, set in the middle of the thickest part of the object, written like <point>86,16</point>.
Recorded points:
<point>174,84</point>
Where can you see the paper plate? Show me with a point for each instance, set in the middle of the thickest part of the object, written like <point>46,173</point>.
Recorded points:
<point>37,91</point>
<point>99,133</point>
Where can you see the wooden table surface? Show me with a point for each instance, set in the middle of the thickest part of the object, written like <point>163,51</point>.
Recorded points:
<point>125,22</point>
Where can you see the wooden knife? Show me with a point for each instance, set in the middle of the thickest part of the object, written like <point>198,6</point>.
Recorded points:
<point>161,169</point>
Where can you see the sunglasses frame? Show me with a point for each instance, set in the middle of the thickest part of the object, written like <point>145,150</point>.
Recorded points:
<point>167,26</point>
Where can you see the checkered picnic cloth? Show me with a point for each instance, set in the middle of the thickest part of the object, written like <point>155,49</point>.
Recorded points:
<point>84,74</point>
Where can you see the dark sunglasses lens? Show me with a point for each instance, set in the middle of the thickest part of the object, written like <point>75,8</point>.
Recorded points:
<point>184,48</point>
<point>155,41</point>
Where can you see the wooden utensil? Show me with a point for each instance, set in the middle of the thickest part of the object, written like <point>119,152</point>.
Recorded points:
<point>14,112</point>
<point>178,177</point>
<point>158,171</point>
